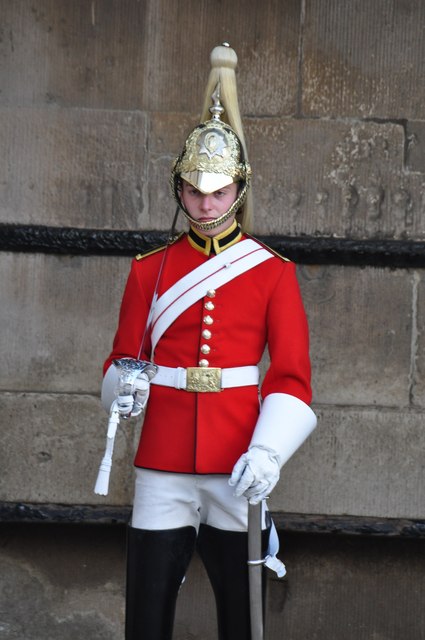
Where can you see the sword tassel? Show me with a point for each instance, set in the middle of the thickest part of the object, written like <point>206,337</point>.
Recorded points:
<point>102,482</point>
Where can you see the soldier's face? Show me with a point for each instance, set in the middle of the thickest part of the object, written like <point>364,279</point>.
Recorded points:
<point>208,207</point>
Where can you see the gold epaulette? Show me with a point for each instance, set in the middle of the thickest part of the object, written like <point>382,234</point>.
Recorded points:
<point>140,256</point>
<point>266,246</point>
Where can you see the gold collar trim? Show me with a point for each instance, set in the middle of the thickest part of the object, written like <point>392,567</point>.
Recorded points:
<point>216,244</point>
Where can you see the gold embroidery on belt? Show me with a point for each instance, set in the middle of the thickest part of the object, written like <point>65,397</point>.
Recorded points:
<point>203,379</point>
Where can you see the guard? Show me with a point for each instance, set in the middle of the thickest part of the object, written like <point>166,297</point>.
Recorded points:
<point>201,310</point>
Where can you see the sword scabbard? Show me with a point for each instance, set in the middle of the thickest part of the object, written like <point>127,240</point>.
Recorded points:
<point>255,570</point>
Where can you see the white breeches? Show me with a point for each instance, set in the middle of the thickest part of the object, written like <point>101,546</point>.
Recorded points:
<point>165,500</point>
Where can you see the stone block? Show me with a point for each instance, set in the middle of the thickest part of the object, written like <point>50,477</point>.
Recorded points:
<point>363,462</point>
<point>361,330</point>
<point>343,179</point>
<point>76,53</point>
<point>345,587</point>
<point>58,320</point>
<point>363,59</point>
<point>62,582</point>
<point>358,462</point>
<point>53,446</point>
<point>73,167</point>
<point>139,55</point>
<point>266,43</point>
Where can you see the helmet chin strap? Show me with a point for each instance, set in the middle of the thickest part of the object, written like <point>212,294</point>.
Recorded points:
<point>212,224</point>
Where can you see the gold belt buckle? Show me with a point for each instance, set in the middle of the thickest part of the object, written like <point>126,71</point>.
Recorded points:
<point>203,379</point>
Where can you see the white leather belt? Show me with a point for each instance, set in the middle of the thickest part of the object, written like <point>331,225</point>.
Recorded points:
<point>206,379</point>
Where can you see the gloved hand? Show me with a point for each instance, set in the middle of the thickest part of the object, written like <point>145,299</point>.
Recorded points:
<point>132,397</point>
<point>256,473</point>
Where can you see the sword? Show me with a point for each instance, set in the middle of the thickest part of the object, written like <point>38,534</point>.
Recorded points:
<point>133,367</point>
<point>129,372</point>
<point>255,570</point>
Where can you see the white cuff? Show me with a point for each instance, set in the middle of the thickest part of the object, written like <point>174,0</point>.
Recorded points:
<point>283,424</point>
<point>109,387</point>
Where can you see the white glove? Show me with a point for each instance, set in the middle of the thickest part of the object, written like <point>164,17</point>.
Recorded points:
<point>132,399</point>
<point>256,473</point>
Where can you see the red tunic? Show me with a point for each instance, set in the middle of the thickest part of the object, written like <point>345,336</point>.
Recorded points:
<point>207,432</point>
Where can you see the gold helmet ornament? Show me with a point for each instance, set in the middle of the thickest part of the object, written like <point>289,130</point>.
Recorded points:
<point>214,153</point>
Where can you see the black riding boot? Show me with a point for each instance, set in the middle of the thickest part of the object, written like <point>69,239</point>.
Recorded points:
<point>156,564</point>
<point>225,555</point>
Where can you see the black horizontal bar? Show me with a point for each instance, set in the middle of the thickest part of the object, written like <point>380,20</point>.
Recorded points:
<point>76,241</point>
<point>66,514</point>
<point>350,525</point>
<point>285,522</point>
<point>301,249</point>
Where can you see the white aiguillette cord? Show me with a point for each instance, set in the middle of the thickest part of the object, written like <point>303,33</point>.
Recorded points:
<point>158,280</point>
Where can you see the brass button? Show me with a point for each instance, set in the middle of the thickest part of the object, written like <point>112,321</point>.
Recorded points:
<point>208,320</point>
<point>209,306</point>
<point>211,293</point>
<point>206,334</point>
<point>205,349</point>
<point>203,363</point>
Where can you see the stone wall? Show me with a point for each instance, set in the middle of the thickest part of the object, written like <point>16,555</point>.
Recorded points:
<point>96,98</point>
